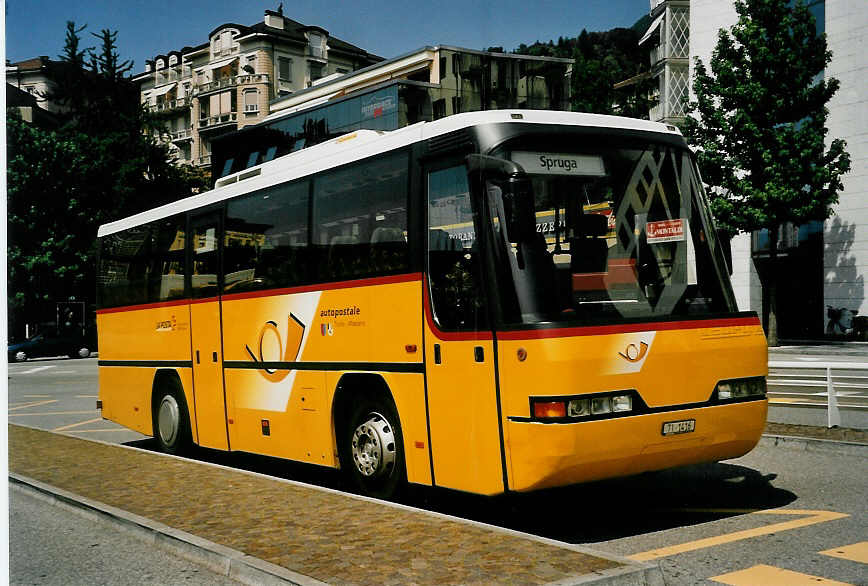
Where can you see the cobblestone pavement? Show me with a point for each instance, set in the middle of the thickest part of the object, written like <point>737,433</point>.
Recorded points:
<point>331,537</point>
<point>841,434</point>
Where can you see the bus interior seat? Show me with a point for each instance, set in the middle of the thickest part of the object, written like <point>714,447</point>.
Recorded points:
<point>388,248</point>
<point>387,234</point>
<point>344,256</point>
<point>590,252</point>
<point>538,265</point>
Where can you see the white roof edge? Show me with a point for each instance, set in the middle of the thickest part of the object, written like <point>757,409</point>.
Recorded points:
<point>360,144</point>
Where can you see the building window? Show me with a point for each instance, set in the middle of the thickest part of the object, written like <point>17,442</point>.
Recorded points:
<point>316,45</point>
<point>251,101</point>
<point>284,69</point>
<point>316,70</point>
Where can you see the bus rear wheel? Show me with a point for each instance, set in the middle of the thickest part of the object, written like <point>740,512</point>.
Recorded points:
<point>372,454</point>
<point>171,422</point>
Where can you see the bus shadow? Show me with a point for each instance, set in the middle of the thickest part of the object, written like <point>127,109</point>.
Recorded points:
<point>583,513</point>
<point>624,507</point>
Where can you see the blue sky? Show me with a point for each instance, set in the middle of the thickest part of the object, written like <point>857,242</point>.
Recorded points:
<point>145,29</point>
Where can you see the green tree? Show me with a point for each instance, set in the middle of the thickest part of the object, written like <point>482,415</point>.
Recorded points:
<point>602,60</point>
<point>99,165</point>
<point>760,126</point>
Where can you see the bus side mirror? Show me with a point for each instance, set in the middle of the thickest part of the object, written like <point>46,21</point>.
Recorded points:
<point>725,241</point>
<point>518,205</point>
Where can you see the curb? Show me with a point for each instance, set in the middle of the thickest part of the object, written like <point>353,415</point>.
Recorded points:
<point>807,444</point>
<point>217,558</point>
<point>254,571</point>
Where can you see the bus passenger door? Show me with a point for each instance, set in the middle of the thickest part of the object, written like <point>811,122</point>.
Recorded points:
<point>459,345</point>
<point>209,395</point>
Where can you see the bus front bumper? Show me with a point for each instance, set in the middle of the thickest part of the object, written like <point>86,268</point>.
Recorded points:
<point>543,455</point>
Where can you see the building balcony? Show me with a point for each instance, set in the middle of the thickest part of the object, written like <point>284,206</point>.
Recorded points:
<point>169,105</point>
<point>182,135</point>
<point>217,121</point>
<point>229,82</point>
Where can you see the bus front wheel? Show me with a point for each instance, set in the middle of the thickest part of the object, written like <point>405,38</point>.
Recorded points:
<point>171,422</point>
<point>372,454</point>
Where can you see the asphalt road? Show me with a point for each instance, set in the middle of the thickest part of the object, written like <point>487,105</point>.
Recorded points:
<point>52,545</point>
<point>60,395</point>
<point>780,515</point>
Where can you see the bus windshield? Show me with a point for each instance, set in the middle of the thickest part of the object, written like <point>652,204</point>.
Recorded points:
<point>604,235</point>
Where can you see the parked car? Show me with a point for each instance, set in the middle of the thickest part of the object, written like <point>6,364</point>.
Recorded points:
<point>50,345</point>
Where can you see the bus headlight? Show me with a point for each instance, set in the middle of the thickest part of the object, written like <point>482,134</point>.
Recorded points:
<point>741,388</point>
<point>600,405</point>
<point>622,403</point>
<point>578,408</point>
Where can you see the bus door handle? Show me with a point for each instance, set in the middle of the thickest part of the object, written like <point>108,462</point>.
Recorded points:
<point>213,357</point>
<point>479,354</point>
<point>197,357</point>
<point>437,357</point>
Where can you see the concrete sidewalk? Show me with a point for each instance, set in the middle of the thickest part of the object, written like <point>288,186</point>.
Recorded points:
<point>260,529</point>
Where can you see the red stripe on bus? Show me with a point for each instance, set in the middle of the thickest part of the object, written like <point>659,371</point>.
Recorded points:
<point>628,328</point>
<point>157,305</point>
<point>406,278</point>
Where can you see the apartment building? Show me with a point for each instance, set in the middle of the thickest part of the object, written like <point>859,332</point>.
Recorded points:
<point>34,78</point>
<point>228,82</point>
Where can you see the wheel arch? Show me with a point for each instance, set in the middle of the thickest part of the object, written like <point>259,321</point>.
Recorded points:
<point>170,381</point>
<point>169,377</point>
<point>350,385</point>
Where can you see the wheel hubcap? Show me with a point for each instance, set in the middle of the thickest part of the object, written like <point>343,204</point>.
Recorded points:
<point>168,420</point>
<point>373,446</point>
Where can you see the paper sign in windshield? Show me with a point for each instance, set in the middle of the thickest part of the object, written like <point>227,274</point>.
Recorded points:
<point>665,231</point>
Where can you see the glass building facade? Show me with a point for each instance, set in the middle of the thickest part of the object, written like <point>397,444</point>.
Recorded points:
<point>469,81</point>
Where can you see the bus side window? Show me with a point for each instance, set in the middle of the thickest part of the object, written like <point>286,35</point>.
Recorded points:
<point>453,267</point>
<point>360,219</point>
<point>266,239</point>
<point>144,264</point>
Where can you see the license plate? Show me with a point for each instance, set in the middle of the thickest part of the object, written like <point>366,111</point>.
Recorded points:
<point>676,427</point>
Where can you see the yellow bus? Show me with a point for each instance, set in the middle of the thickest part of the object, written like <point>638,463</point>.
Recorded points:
<point>494,301</point>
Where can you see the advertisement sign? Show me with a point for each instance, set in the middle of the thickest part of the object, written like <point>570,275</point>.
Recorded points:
<point>378,105</point>
<point>665,231</point>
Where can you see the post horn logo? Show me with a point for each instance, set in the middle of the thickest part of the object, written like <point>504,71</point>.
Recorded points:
<point>633,353</point>
<point>294,336</point>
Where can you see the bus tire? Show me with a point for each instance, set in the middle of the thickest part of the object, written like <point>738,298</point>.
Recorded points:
<point>171,420</point>
<point>372,449</point>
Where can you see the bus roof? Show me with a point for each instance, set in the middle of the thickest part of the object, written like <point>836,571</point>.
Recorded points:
<point>361,144</point>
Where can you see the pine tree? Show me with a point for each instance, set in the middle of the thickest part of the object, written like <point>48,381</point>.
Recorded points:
<point>759,127</point>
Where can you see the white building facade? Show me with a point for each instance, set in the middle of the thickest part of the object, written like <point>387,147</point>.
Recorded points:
<point>825,264</point>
